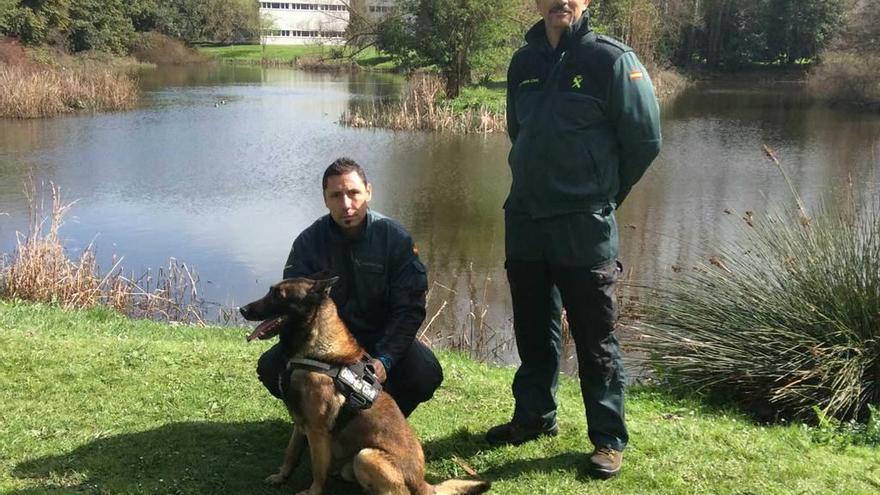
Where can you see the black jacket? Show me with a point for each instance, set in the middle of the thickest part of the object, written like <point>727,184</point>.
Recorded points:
<point>381,291</point>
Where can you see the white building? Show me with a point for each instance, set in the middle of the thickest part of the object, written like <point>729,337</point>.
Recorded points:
<point>315,21</point>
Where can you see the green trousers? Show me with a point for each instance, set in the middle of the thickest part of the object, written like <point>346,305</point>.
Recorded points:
<point>539,290</point>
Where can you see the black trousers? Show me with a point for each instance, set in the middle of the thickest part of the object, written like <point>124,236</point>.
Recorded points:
<point>411,381</point>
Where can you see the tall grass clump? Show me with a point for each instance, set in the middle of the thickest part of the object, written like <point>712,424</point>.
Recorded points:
<point>40,270</point>
<point>422,107</point>
<point>42,91</point>
<point>785,322</point>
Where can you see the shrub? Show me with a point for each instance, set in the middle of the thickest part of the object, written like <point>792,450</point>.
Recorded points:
<point>156,48</point>
<point>847,77</point>
<point>12,53</point>
<point>783,321</point>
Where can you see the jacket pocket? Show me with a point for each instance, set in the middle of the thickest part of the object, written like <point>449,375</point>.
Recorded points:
<point>576,112</point>
<point>371,283</point>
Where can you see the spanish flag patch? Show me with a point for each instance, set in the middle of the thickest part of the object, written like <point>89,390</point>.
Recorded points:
<point>635,75</point>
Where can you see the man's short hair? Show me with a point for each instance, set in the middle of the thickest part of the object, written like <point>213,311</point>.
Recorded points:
<point>343,166</point>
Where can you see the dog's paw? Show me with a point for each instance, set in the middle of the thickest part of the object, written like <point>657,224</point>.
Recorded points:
<point>275,479</point>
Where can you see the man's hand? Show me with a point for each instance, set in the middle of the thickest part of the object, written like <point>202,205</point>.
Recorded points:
<point>380,370</point>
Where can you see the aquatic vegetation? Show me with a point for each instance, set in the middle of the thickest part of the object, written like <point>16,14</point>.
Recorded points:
<point>30,91</point>
<point>421,108</point>
<point>41,270</point>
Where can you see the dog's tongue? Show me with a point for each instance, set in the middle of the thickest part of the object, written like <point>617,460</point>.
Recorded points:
<point>266,329</point>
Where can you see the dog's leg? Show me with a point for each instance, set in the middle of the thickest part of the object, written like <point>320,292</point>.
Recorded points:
<point>291,456</point>
<point>319,449</point>
<point>377,475</point>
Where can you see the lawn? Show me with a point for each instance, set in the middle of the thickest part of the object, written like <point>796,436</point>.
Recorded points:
<point>95,403</point>
<point>285,54</point>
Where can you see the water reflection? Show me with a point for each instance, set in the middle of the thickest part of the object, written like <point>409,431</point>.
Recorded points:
<point>220,167</point>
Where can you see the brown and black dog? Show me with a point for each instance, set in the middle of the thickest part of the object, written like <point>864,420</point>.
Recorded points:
<point>376,446</point>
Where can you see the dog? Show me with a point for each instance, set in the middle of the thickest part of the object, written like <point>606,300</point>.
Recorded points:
<point>374,446</point>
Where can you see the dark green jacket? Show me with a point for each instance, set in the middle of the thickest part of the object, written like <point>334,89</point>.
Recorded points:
<point>381,290</point>
<point>584,122</point>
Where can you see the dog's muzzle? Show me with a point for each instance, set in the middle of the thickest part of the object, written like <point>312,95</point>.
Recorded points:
<point>267,329</point>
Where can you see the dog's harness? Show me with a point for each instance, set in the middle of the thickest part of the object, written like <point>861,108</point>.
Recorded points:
<point>356,382</point>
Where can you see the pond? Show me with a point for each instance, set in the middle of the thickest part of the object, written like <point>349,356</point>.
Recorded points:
<point>220,167</point>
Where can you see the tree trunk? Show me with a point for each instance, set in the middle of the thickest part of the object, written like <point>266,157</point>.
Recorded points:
<point>453,83</point>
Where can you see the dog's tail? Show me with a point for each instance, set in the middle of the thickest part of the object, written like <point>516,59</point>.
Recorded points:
<point>463,487</point>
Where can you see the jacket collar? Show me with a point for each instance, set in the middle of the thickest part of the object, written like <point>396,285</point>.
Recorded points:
<point>537,35</point>
<point>337,232</point>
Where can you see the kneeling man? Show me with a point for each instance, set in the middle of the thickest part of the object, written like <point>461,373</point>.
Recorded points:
<point>381,290</point>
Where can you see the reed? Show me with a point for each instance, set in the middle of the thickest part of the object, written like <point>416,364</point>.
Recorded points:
<point>40,270</point>
<point>421,108</point>
<point>322,64</point>
<point>465,327</point>
<point>668,83</point>
<point>41,91</point>
<point>785,321</point>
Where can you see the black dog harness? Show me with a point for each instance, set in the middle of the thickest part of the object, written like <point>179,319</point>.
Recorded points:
<point>356,382</point>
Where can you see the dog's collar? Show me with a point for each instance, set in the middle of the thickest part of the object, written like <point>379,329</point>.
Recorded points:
<point>311,365</point>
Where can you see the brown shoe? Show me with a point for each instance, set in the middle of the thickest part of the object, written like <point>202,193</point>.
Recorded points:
<point>516,434</point>
<point>605,462</point>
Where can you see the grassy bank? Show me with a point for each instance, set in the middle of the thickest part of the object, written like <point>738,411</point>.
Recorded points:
<point>95,403</point>
<point>307,56</point>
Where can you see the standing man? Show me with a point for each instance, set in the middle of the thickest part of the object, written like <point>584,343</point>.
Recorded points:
<point>381,290</point>
<point>584,123</point>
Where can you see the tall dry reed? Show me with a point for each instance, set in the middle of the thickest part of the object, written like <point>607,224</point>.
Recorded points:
<point>41,271</point>
<point>421,108</point>
<point>43,91</point>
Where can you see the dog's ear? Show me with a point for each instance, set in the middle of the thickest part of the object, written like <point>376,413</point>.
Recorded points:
<point>323,286</point>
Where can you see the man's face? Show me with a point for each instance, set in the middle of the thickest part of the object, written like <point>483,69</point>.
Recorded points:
<point>560,14</point>
<point>346,196</point>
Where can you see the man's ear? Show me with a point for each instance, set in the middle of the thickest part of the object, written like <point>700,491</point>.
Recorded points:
<point>324,285</point>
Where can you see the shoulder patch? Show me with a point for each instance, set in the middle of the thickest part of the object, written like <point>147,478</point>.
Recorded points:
<point>608,40</point>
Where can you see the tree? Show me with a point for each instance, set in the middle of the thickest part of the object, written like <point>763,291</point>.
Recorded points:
<point>101,25</point>
<point>798,30</point>
<point>862,28</point>
<point>448,34</point>
<point>267,24</point>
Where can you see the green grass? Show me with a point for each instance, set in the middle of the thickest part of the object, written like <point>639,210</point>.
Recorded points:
<point>94,403</point>
<point>285,54</point>
<point>492,96</point>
